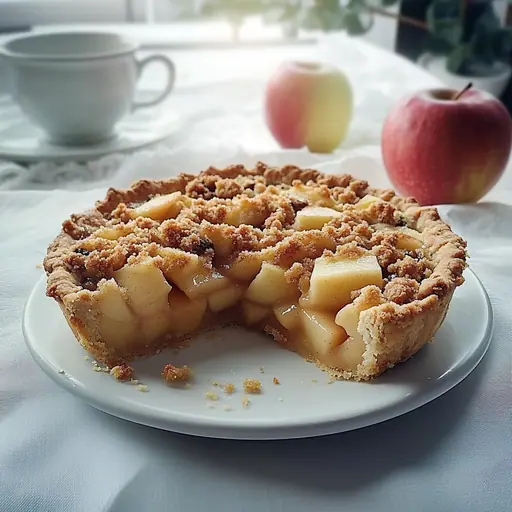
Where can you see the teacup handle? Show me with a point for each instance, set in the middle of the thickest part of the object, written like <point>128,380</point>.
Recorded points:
<point>171,76</point>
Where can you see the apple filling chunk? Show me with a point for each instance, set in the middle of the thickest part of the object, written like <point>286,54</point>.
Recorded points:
<point>225,298</point>
<point>161,207</point>
<point>253,313</point>
<point>314,217</point>
<point>196,279</point>
<point>351,352</point>
<point>367,201</point>
<point>335,277</point>
<point>288,315</point>
<point>147,291</point>
<point>246,265</point>
<point>315,197</point>
<point>185,314</point>
<point>112,304</point>
<point>145,285</point>
<point>408,239</point>
<point>321,332</point>
<point>270,286</point>
<point>114,232</point>
<point>117,322</point>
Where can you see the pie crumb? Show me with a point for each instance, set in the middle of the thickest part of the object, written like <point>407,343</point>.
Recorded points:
<point>215,383</point>
<point>97,368</point>
<point>275,380</point>
<point>143,388</point>
<point>229,388</point>
<point>122,372</point>
<point>86,358</point>
<point>38,265</point>
<point>134,382</point>
<point>262,369</point>
<point>252,386</point>
<point>314,381</point>
<point>176,374</point>
<point>211,395</point>
<point>227,408</point>
<point>245,402</point>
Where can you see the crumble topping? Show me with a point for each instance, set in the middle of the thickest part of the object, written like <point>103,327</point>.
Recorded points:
<point>221,215</point>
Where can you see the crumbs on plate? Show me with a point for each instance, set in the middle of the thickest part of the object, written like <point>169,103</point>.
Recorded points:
<point>229,388</point>
<point>176,374</point>
<point>122,372</point>
<point>252,386</point>
<point>211,395</point>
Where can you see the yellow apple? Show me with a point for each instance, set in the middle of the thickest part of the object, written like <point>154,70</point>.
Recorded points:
<point>308,104</point>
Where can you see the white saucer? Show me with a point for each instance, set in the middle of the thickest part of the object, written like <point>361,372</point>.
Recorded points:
<point>297,407</point>
<point>20,141</point>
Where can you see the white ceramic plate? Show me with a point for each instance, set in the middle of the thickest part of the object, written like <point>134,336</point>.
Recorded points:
<point>304,404</point>
<point>20,141</point>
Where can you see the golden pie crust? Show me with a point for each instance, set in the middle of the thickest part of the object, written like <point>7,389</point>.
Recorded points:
<point>249,216</point>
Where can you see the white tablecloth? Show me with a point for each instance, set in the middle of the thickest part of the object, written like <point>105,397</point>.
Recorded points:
<point>58,454</point>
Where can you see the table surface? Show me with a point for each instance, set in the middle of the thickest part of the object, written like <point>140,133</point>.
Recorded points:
<point>57,454</point>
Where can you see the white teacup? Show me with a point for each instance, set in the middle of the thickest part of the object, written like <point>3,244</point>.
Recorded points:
<point>77,85</point>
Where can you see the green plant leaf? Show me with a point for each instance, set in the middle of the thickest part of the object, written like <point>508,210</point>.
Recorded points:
<point>488,20</point>
<point>437,46</point>
<point>444,21</point>
<point>275,14</point>
<point>319,17</point>
<point>358,19</point>
<point>353,24</point>
<point>502,43</point>
<point>457,59</point>
<point>481,47</point>
<point>309,20</point>
<point>332,20</point>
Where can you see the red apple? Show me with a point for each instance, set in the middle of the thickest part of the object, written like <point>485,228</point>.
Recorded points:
<point>308,104</point>
<point>442,149</point>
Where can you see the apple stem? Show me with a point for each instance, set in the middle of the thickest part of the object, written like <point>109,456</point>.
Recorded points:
<point>460,93</point>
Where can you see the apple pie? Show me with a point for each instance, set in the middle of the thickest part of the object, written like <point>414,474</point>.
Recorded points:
<point>354,278</point>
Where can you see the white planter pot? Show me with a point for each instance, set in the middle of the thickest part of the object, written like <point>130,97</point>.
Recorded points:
<point>494,84</point>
